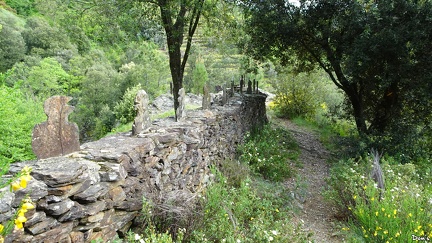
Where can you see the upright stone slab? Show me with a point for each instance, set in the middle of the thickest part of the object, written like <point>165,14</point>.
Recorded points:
<point>56,136</point>
<point>142,119</point>
<point>181,112</point>
<point>206,97</point>
<point>249,88</point>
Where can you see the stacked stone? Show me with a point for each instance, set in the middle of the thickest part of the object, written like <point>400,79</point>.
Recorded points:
<point>97,192</point>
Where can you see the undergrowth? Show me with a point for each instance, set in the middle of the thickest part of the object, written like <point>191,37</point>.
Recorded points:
<point>246,202</point>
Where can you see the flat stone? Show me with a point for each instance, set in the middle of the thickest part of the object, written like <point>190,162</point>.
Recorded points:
<point>94,208</point>
<point>43,226</point>
<point>57,172</point>
<point>6,199</point>
<point>77,211</point>
<point>59,207</point>
<point>91,194</point>
<point>37,217</point>
<point>58,234</point>
<point>132,205</point>
<point>117,194</point>
<point>121,218</point>
<point>76,237</point>
<point>111,171</point>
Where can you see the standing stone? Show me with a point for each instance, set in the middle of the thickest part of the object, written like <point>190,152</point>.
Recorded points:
<point>206,97</point>
<point>56,136</point>
<point>241,84</point>
<point>249,88</point>
<point>181,112</point>
<point>224,95</point>
<point>142,119</point>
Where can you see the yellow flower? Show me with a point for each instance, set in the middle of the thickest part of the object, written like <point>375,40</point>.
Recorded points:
<point>15,186</point>
<point>349,208</point>
<point>397,234</point>
<point>419,227</point>
<point>376,213</point>
<point>27,206</point>
<point>375,233</point>
<point>364,187</point>
<point>345,229</point>
<point>1,228</point>
<point>385,232</point>
<point>372,199</point>
<point>383,209</point>
<point>354,197</point>
<point>410,215</point>
<point>18,225</point>
<point>20,219</point>
<point>394,212</point>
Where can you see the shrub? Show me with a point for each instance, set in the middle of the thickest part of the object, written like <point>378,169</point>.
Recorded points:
<point>269,152</point>
<point>403,210</point>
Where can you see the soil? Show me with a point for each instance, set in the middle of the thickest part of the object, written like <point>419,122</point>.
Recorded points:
<point>315,214</point>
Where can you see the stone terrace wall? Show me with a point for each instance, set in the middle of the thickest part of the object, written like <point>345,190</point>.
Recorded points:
<point>97,192</point>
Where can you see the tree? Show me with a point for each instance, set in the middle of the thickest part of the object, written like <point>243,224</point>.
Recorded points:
<point>177,17</point>
<point>377,52</point>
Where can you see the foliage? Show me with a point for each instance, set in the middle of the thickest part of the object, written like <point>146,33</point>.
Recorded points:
<point>240,215</point>
<point>199,77</point>
<point>260,154</point>
<point>12,45</point>
<point>368,49</point>
<point>19,115</point>
<point>124,110</point>
<point>393,215</point>
<point>22,7</point>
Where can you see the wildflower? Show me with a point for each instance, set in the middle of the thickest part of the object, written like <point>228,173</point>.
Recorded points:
<point>364,187</point>
<point>385,232</point>
<point>372,199</point>
<point>394,212</point>
<point>349,208</point>
<point>27,206</point>
<point>137,237</point>
<point>277,210</point>
<point>252,218</point>
<point>375,233</point>
<point>274,232</point>
<point>410,215</point>
<point>1,228</point>
<point>376,213</point>
<point>15,186</point>
<point>354,197</point>
<point>270,238</point>
<point>397,234</point>
<point>345,229</point>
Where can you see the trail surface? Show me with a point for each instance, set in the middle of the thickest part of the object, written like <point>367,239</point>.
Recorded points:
<point>315,213</point>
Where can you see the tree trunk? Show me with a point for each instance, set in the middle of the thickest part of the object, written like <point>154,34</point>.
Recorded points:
<point>358,111</point>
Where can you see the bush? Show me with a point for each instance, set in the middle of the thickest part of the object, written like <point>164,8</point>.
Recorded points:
<point>269,151</point>
<point>402,210</point>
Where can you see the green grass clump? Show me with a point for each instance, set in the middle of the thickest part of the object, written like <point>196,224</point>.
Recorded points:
<point>269,152</point>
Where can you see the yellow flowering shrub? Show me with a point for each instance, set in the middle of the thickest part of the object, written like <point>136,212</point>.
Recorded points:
<point>20,182</point>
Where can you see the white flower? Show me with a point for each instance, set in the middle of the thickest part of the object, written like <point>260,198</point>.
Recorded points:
<point>238,240</point>
<point>274,232</point>
<point>270,238</point>
<point>137,237</point>
<point>141,241</point>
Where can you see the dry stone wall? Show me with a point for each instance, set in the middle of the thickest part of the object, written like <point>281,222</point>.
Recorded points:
<point>97,192</point>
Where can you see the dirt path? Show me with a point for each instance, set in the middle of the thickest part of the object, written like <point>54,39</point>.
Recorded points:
<point>315,214</point>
